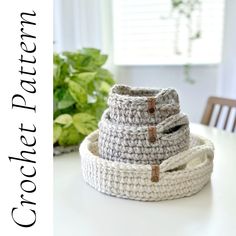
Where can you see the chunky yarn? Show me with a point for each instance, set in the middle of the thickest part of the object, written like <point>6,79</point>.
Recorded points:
<point>179,176</point>
<point>136,144</point>
<point>143,149</point>
<point>142,106</point>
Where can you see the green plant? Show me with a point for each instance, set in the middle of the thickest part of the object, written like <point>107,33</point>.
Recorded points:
<point>190,12</point>
<point>80,90</point>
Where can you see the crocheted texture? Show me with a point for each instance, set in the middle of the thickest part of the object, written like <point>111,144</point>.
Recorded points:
<point>181,175</point>
<point>143,144</point>
<point>142,106</point>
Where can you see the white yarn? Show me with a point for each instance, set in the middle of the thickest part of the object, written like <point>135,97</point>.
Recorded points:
<point>181,175</point>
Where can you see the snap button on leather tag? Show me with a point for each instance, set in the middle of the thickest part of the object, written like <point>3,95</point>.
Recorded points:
<point>151,105</point>
<point>152,134</point>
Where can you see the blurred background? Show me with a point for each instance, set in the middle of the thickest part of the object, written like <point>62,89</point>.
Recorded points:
<point>185,44</point>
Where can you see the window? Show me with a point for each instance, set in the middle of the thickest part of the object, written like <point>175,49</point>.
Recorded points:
<point>154,32</point>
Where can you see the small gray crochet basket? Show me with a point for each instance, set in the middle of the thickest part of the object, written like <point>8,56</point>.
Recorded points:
<point>142,105</point>
<point>146,144</point>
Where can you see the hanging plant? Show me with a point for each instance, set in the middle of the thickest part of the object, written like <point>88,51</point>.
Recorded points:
<point>189,12</point>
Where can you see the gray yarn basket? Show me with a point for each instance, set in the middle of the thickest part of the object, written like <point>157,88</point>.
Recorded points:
<point>132,144</point>
<point>142,106</point>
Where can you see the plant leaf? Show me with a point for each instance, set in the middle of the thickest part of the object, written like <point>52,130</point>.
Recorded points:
<point>60,70</point>
<point>104,87</point>
<point>84,123</point>
<point>101,60</point>
<point>78,93</point>
<point>105,75</point>
<point>64,119</point>
<point>66,101</point>
<point>56,132</point>
<point>84,77</point>
<point>91,51</point>
<point>69,136</point>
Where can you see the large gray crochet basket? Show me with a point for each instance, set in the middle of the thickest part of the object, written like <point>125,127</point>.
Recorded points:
<point>143,144</point>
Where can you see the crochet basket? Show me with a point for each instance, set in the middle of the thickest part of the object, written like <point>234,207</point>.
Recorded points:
<point>142,105</point>
<point>143,144</point>
<point>179,176</point>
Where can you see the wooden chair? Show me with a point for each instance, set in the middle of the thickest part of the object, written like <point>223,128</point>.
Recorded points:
<point>228,119</point>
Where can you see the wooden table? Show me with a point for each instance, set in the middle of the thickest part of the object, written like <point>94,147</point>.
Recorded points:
<point>79,210</point>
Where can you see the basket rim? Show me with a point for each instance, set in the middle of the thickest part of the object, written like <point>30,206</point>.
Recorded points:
<point>117,87</point>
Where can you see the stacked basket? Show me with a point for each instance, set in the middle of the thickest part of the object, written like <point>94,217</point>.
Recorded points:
<point>144,149</point>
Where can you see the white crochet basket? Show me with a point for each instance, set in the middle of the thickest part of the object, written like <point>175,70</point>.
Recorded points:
<point>142,106</point>
<point>179,176</point>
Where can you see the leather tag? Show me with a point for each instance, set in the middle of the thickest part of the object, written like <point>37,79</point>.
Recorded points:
<point>152,134</point>
<point>155,173</point>
<point>151,105</point>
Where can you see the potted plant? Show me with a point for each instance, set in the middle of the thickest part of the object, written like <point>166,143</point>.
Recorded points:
<point>80,90</point>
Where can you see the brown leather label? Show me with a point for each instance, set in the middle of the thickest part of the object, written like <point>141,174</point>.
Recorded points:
<point>155,173</point>
<point>151,105</point>
<point>152,134</point>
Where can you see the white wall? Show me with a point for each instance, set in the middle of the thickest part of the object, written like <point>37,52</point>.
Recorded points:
<point>227,82</point>
<point>210,80</point>
<point>92,26</point>
<point>192,96</point>
<point>77,23</point>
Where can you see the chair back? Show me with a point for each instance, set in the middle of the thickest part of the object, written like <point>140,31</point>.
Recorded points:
<point>220,113</point>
